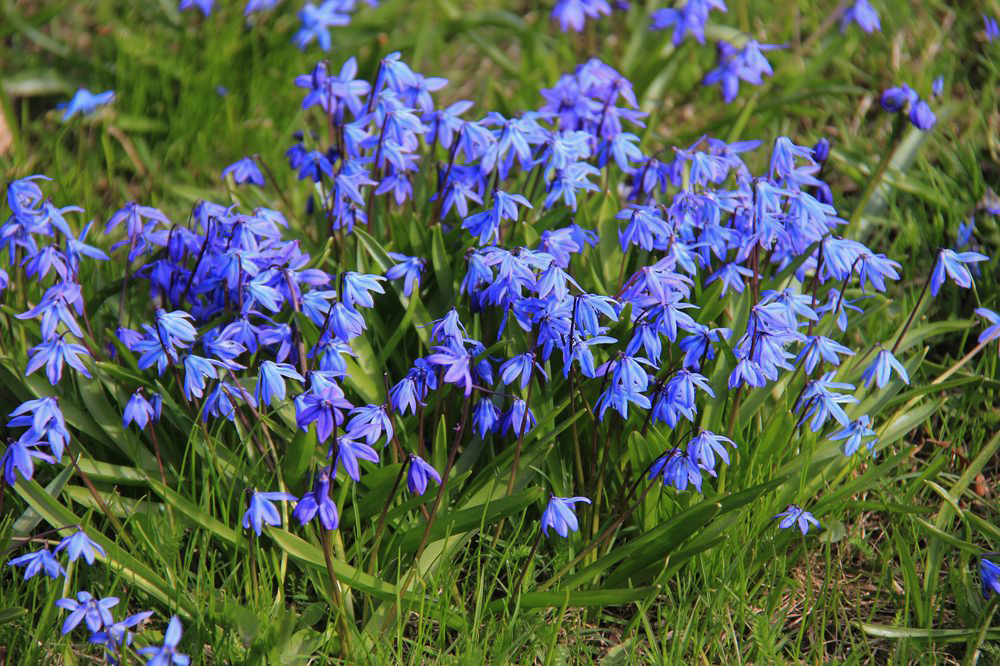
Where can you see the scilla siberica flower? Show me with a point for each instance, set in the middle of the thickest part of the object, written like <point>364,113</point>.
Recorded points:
<point>992,332</point>
<point>204,5</point>
<point>882,368</point>
<point>262,510</point>
<point>573,14</point>
<point>270,382</point>
<point>138,410</point>
<point>244,171</point>
<point>418,474</point>
<point>559,515</point>
<point>18,458</point>
<point>408,270</point>
<point>41,560</point>
<point>862,13</point>
<point>954,265</point>
<point>677,469</point>
<point>79,544</point>
<point>317,502</point>
<point>349,452</point>
<point>795,515</point>
<point>115,635</point>
<point>991,28</point>
<point>167,654</point>
<point>989,577</point>
<point>688,18</point>
<point>855,434</point>
<point>85,607</point>
<point>85,102</point>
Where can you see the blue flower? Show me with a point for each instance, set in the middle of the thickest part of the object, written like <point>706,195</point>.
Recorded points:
<point>794,515</point>
<point>823,402</point>
<point>897,98</point>
<point>318,502</point>
<point>370,421</point>
<point>262,510</point>
<point>316,22</point>
<point>322,405</point>
<point>357,288</point>
<point>748,64</point>
<point>559,515</point>
<point>78,544</point>
<point>862,13</point>
<point>820,349</point>
<point>270,382</point>
<point>937,87</point>
<point>258,6</point>
<point>18,457</point>
<point>197,371</point>
<point>705,446</point>
<point>518,417</point>
<point>409,270</point>
<point>992,332</point>
<point>688,18</point>
<point>991,28</point>
<point>45,421</point>
<point>854,434</point>
<point>42,560</point>
<point>175,328</point>
<point>921,116</point>
<point>350,451</point>
<point>167,654</point>
<point>52,354</point>
<point>520,366</point>
<point>86,607</point>
<point>138,411</point>
<point>418,474</point>
<point>114,636</point>
<point>572,14</point>
<point>244,171</point>
<point>457,364</point>
<point>953,264</point>
<point>204,5</point>
<point>85,103</point>
<point>677,469</point>
<point>882,368</point>
<point>485,417</point>
<point>989,576</point>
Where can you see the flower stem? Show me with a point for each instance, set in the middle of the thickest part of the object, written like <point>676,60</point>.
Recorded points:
<point>913,312</point>
<point>524,570</point>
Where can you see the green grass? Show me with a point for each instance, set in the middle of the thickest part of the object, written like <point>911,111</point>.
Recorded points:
<point>892,578</point>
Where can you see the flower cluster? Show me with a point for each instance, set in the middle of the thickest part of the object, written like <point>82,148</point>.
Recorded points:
<point>904,98</point>
<point>242,322</point>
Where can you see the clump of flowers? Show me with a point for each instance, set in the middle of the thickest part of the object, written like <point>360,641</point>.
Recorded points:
<point>716,273</point>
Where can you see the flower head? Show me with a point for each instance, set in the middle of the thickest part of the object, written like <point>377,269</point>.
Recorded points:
<point>262,510</point>
<point>85,607</point>
<point>78,544</point>
<point>85,102</point>
<point>419,473</point>
<point>244,171</point>
<point>41,560</point>
<point>318,502</point>
<point>989,576</point>
<point>559,515</point>
<point>167,654</point>
<point>795,515</point>
<point>992,332</point>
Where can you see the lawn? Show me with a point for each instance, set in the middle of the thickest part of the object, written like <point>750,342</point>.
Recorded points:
<point>476,337</point>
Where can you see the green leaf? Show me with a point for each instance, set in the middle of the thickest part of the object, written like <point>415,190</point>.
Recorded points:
<point>914,633</point>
